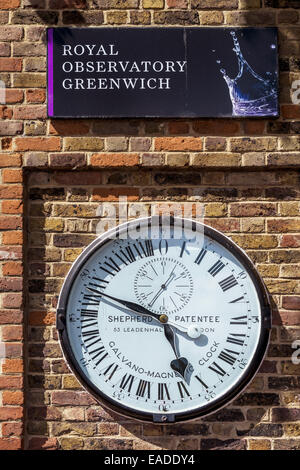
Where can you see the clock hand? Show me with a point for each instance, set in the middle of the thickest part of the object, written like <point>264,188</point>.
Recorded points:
<point>179,365</point>
<point>193,331</point>
<point>163,287</point>
<point>136,308</point>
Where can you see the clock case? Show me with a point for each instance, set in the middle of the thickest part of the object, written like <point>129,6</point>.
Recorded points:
<point>165,418</point>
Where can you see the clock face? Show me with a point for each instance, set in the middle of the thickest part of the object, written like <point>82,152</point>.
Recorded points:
<point>164,328</point>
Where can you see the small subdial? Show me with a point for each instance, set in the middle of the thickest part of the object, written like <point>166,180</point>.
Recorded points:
<point>163,285</point>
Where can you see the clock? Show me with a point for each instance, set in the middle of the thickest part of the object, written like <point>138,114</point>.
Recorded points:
<point>164,320</point>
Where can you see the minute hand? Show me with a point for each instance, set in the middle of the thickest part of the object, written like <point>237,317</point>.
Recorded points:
<point>134,307</point>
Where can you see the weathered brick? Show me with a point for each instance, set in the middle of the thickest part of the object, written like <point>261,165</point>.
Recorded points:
<point>178,143</point>
<point>67,160</point>
<point>37,143</point>
<point>114,159</point>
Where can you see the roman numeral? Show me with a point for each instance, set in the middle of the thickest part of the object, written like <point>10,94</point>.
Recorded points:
<point>182,249</point>
<point>228,283</point>
<point>183,390</point>
<point>227,356</point>
<point>217,369</point>
<point>147,248</point>
<point>102,283</point>
<point>111,370</point>
<point>112,265</point>
<point>88,314</point>
<point>127,382</point>
<point>201,381</point>
<point>201,256</point>
<point>163,392</point>
<point>91,299</point>
<point>92,344</point>
<point>84,362</point>
<point>216,268</point>
<point>98,352</point>
<point>129,256</point>
<point>235,339</point>
<point>236,300</point>
<point>237,320</point>
<point>90,334</point>
<point>143,389</point>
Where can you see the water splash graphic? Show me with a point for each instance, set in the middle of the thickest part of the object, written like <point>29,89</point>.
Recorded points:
<point>250,94</point>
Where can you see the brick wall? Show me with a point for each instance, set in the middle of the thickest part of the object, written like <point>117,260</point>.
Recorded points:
<point>244,171</point>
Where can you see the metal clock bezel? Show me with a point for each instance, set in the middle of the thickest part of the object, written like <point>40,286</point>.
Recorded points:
<point>165,418</point>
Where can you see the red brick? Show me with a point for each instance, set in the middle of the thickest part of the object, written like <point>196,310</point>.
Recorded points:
<point>290,111</point>
<point>178,4</point>
<point>12,176</point>
<point>12,398</point>
<point>11,381</point>
<point>42,318</point>
<point>11,413</point>
<point>10,223</point>
<point>217,127</point>
<point>12,366</point>
<point>254,127</point>
<point>113,194</point>
<point>10,444</point>
<point>10,316</point>
<point>30,112</point>
<point>12,238</point>
<point>114,159</point>
<point>10,64</point>
<point>178,143</point>
<point>69,127</point>
<point>12,207</point>
<point>11,192</point>
<point>6,113</point>
<point>290,241</point>
<point>291,302</point>
<point>12,429</point>
<point>62,397</point>
<point>35,96</point>
<point>37,143</point>
<point>12,268</point>
<point>283,225</point>
<point>12,301</point>
<point>13,96</point>
<point>7,284</point>
<point>9,4</point>
<point>12,159</point>
<point>178,127</point>
<point>12,333</point>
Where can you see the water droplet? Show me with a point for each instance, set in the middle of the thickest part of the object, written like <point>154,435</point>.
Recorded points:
<point>250,93</point>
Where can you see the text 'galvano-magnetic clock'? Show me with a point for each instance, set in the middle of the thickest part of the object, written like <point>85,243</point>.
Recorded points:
<point>167,325</point>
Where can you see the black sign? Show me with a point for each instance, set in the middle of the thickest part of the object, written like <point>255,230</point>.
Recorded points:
<point>162,72</point>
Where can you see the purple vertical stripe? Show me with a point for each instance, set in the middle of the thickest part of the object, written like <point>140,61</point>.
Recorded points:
<point>50,72</point>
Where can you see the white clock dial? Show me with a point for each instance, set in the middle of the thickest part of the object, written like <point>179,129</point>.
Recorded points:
<point>163,284</point>
<point>166,328</point>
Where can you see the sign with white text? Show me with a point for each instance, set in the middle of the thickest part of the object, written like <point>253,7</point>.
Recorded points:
<point>162,72</point>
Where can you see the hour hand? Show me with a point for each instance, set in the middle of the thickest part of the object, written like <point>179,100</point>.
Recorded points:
<point>180,364</point>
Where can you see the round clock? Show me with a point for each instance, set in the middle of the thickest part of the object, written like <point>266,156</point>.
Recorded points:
<point>164,322</point>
